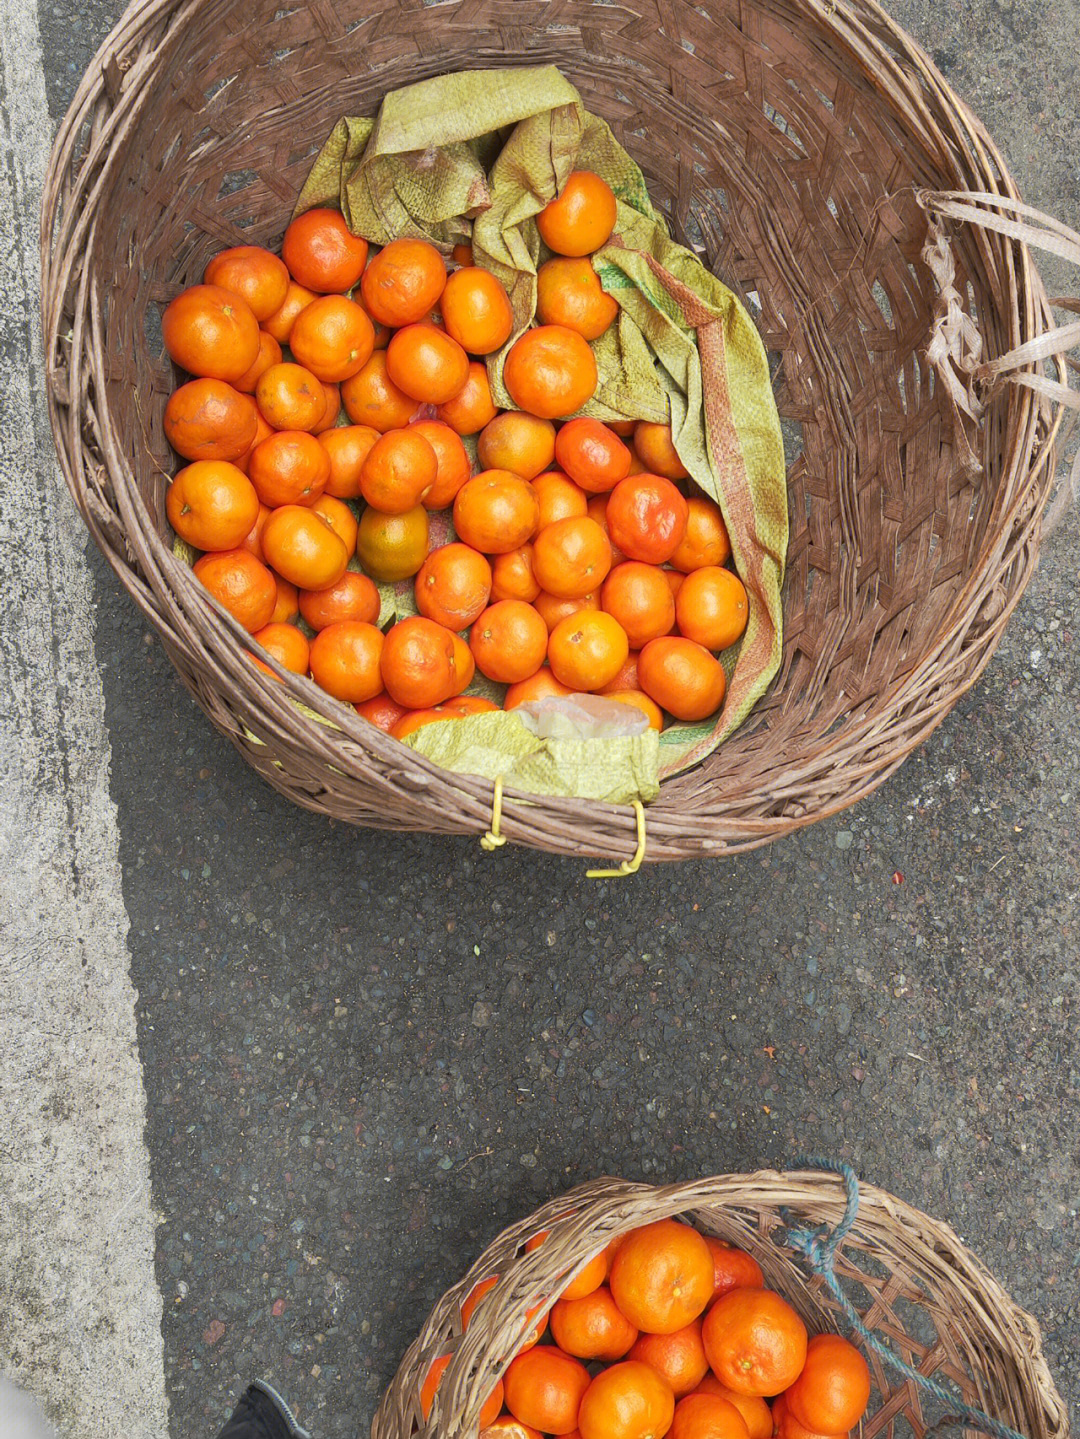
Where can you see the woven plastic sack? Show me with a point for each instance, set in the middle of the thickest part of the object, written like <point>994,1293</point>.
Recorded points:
<point>475,156</point>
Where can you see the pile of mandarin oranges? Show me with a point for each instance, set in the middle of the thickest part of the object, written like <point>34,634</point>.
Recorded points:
<point>670,1332</point>
<point>333,391</point>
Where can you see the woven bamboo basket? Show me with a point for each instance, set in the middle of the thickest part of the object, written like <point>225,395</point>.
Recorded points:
<point>919,1292</point>
<point>803,146</point>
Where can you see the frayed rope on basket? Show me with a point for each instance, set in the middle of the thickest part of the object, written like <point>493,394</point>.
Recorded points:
<point>819,1252</point>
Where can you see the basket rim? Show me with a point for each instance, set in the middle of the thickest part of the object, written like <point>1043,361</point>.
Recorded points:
<point>873,742</point>
<point>585,1218</point>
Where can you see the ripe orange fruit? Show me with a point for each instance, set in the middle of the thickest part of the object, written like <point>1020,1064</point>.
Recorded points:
<point>290,397</point>
<point>452,459</point>
<point>400,469</point>
<point>453,585</point>
<point>559,498</point>
<point>592,455</point>
<point>569,293</point>
<point>495,512</point>
<point>597,510</point>
<point>626,679</point>
<point>382,712</point>
<point>345,660</point>
<point>371,398</point>
<point>674,579</point>
<point>290,468</point>
<point>550,371</point>
<point>581,218</point>
<point>212,332</point>
<point>786,1426</point>
<point>626,1401</point>
<point>332,411</point>
<point>678,1357</point>
<point>571,557</point>
<point>492,1404</point>
<point>585,651</point>
<point>476,310</point>
<point>258,276</point>
<point>544,1389</point>
<point>512,576</point>
<point>412,720</point>
<point>212,505</point>
<point>347,447</point>
<point>652,711</point>
<point>535,687</point>
<point>733,1268</point>
<point>506,1426</point>
<point>712,607</point>
<point>462,254</point>
<point>756,1414</point>
<point>419,664</point>
<point>593,1273</point>
<point>554,608</point>
<point>521,443</point>
<point>287,604</point>
<point>382,333</point>
<point>708,1416</point>
<point>472,407</point>
<point>705,541</point>
<point>263,431</point>
<point>403,282</point>
<point>287,645</point>
<point>333,408</point>
<point>646,518</point>
<point>339,517</point>
<point>662,1274</point>
<point>682,677</point>
<point>657,451</point>
<point>392,547</point>
<point>478,705</point>
<point>303,548</point>
<point>322,253</point>
<point>831,1394</point>
<point>427,364</point>
<point>332,337</point>
<point>592,1327</point>
<point>269,354</point>
<point>640,599</point>
<point>240,584</point>
<point>280,323</point>
<point>755,1341</point>
<point>352,597</point>
<point>252,541</point>
<point>464,665</point>
<point>509,641</point>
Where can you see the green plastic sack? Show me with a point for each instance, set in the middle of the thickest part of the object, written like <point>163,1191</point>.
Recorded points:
<point>475,156</point>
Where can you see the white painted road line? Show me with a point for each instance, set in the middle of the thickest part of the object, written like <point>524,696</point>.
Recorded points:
<point>80,1311</point>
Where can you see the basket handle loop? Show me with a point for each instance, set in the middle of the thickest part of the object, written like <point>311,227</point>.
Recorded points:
<point>953,348</point>
<point>819,1252</point>
<point>628,866</point>
<point>493,840</point>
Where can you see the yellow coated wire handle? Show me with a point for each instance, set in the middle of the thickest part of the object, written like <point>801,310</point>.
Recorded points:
<point>493,839</point>
<point>628,866</point>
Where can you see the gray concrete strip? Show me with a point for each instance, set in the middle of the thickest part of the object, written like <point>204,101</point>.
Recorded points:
<point>80,1311</point>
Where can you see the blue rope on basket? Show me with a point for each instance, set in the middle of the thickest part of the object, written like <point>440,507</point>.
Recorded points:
<point>819,1251</point>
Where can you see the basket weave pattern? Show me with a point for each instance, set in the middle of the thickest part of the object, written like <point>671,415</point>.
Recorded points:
<point>787,138</point>
<point>913,1282</point>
